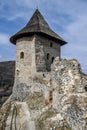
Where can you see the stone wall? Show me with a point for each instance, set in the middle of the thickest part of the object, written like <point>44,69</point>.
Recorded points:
<point>25,65</point>
<point>34,54</point>
<point>55,100</point>
<point>70,94</point>
<point>34,59</point>
<point>45,50</point>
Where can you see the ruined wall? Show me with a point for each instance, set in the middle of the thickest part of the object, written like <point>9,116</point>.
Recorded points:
<point>70,94</point>
<point>56,100</point>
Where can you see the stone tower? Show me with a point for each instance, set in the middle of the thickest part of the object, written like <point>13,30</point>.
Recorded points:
<point>36,47</point>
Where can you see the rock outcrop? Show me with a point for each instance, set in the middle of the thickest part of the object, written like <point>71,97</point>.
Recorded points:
<point>55,100</point>
<point>7,72</point>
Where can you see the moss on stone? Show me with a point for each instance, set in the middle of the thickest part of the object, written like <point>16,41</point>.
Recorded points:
<point>60,125</point>
<point>19,106</point>
<point>40,80</point>
<point>63,128</point>
<point>4,112</point>
<point>41,121</point>
<point>36,101</point>
<point>44,122</point>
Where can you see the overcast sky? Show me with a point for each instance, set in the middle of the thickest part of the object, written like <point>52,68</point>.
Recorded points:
<point>68,18</point>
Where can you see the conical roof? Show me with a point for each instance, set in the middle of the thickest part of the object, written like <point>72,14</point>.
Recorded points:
<point>37,25</point>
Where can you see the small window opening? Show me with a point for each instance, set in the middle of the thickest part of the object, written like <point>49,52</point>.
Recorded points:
<point>44,75</point>
<point>48,56</point>
<point>52,59</point>
<point>51,44</point>
<point>86,88</point>
<point>51,96</point>
<point>17,72</point>
<point>22,55</point>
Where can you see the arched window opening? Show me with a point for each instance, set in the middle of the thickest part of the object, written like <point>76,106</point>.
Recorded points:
<point>51,44</point>
<point>52,59</point>
<point>44,75</point>
<point>48,56</point>
<point>17,72</point>
<point>22,55</point>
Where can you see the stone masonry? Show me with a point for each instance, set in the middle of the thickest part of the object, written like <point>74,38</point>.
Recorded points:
<point>44,46</point>
<point>38,56</point>
<point>25,67</point>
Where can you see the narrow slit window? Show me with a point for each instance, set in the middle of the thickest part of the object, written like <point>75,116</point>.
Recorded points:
<point>86,88</point>
<point>52,59</point>
<point>48,56</point>
<point>22,55</point>
<point>51,44</point>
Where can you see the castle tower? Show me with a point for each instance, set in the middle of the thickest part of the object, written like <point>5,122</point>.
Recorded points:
<point>36,47</point>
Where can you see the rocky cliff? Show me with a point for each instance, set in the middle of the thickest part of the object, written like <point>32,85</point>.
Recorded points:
<point>53,101</point>
<point>7,70</point>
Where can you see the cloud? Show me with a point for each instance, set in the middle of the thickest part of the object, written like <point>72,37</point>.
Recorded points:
<point>0,57</point>
<point>13,9</point>
<point>4,39</point>
<point>76,33</point>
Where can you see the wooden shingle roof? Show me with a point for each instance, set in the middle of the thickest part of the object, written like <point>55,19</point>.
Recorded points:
<point>37,25</point>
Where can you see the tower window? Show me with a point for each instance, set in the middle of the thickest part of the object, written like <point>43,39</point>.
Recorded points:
<point>52,59</point>
<point>51,44</point>
<point>17,72</point>
<point>86,88</point>
<point>48,56</point>
<point>22,55</point>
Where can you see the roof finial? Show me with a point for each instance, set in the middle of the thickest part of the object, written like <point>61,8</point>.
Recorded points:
<point>36,4</point>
